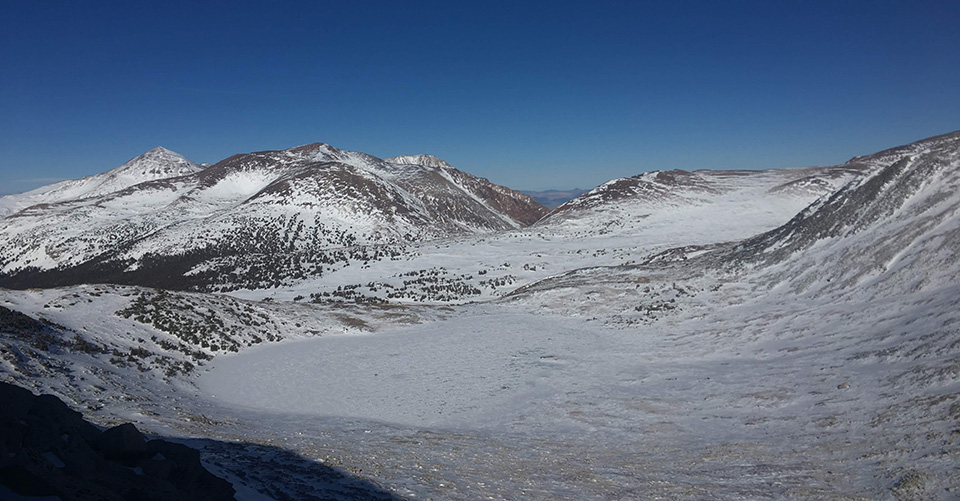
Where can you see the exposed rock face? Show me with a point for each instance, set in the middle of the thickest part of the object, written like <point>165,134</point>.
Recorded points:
<point>520,209</point>
<point>46,449</point>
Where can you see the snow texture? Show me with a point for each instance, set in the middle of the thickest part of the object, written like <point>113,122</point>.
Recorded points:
<point>707,335</point>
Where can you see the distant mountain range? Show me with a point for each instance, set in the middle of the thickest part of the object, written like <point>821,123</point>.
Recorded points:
<point>158,163</point>
<point>265,219</point>
<point>804,320</point>
<point>252,220</point>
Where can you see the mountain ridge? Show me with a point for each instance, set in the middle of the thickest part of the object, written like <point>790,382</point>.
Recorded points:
<point>893,227</point>
<point>297,206</point>
<point>157,163</point>
<point>759,334</point>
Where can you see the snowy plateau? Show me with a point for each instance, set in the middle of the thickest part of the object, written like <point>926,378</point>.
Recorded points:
<point>325,324</point>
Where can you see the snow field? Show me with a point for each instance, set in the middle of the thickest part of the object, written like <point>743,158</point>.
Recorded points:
<point>831,374</point>
<point>778,396</point>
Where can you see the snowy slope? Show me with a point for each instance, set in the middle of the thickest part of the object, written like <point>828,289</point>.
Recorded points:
<point>158,163</point>
<point>890,231</point>
<point>896,230</point>
<point>817,358</point>
<point>623,222</point>
<point>520,210</point>
<point>284,214</point>
<point>707,202</point>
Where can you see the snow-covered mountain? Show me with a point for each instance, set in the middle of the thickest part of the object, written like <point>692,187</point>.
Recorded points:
<point>732,203</point>
<point>158,163</point>
<point>837,330</point>
<point>433,185</point>
<point>723,199</point>
<point>894,227</point>
<point>894,230</point>
<point>252,220</point>
<point>804,355</point>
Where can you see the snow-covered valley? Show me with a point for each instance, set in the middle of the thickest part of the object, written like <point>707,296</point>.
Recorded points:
<point>707,335</point>
<point>755,402</point>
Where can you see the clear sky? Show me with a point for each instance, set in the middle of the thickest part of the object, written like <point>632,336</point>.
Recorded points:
<point>532,95</point>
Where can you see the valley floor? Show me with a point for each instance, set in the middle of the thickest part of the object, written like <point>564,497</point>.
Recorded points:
<point>767,399</point>
<point>573,362</point>
<point>720,389</point>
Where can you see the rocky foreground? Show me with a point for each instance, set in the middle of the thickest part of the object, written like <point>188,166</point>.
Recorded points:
<point>47,449</point>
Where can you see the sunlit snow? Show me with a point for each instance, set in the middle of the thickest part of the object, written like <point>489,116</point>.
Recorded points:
<point>776,350</point>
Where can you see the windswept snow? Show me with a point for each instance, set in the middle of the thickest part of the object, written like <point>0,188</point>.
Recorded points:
<point>707,335</point>
<point>455,374</point>
<point>784,390</point>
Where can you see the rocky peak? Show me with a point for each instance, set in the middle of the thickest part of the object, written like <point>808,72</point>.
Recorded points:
<point>423,160</point>
<point>158,163</point>
<point>893,155</point>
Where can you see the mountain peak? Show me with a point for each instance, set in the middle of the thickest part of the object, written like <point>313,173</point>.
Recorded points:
<point>159,152</point>
<point>156,163</point>
<point>333,199</point>
<point>423,159</point>
<point>312,148</point>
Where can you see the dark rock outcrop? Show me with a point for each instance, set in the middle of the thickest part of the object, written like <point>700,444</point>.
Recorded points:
<point>47,449</point>
<point>17,323</point>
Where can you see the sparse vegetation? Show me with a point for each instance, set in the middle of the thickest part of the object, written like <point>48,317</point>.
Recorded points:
<point>198,326</point>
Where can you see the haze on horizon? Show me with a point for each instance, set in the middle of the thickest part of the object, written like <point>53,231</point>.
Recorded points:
<point>528,96</point>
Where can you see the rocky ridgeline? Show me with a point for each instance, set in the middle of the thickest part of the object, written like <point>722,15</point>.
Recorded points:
<point>47,449</point>
<point>252,221</point>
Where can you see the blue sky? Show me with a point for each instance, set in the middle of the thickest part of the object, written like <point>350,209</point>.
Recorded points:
<point>533,95</point>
